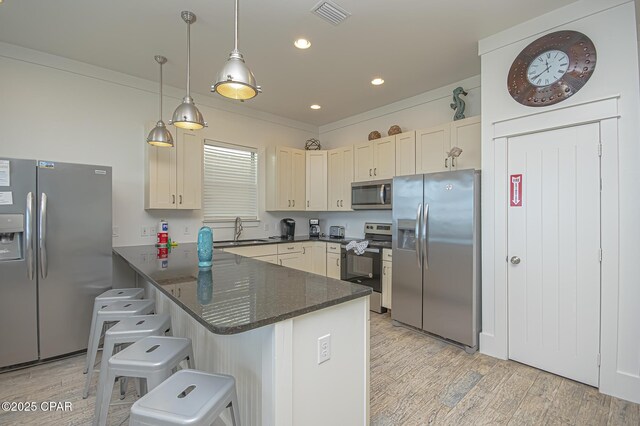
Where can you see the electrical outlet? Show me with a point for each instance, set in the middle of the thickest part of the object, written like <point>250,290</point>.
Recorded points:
<point>186,230</point>
<point>144,231</point>
<point>115,231</point>
<point>324,348</point>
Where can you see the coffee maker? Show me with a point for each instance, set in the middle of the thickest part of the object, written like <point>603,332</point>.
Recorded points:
<point>314,228</point>
<point>287,228</point>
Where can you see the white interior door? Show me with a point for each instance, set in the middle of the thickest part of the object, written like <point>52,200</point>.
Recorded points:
<point>554,251</point>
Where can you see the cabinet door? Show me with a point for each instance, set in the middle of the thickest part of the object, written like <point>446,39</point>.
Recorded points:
<point>316,180</point>
<point>189,170</point>
<point>363,162</point>
<point>386,284</point>
<point>335,178</point>
<point>284,167</point>
<point>465,134</point>
<point>160,178</point>
<point>315,253</point>
<point>431,148</point>
<point>384,158</point>
<point>406,154</point>
<point>298,178</point>
<point>270,259</point>
<point>333,265</point>
<point>293,260</point>
<point>345,200</point>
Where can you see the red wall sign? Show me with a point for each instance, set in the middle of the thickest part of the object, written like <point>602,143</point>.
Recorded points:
<point>515,191</point>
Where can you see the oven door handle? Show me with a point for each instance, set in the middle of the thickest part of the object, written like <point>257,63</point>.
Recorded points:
<point>382,191</point>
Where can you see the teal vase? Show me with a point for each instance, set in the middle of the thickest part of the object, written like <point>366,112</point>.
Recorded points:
<point>205,247</point>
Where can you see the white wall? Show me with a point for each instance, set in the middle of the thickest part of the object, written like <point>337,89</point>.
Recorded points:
<point>612,27</point>
<point>418,112</point>
<point>56,109</point>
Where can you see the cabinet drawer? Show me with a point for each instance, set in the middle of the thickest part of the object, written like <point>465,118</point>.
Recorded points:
<point>254,251</point>
<point>285,248</point>
<point>333,248</point>
<point>386,254</point>
<point>270,259</point>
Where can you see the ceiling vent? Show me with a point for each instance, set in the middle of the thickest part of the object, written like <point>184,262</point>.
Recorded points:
<point>330,12</point>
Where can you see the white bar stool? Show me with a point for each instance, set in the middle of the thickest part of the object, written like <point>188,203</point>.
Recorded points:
<point>127,331</point>
<point>113,312</point>
<point>103,301</point>
<point>189,397</point>
<point>153,358</point>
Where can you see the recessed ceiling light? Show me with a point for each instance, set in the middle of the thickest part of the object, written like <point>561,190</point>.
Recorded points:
<point>315,106</point>
<point>377,81</point>
<point>302,43</point>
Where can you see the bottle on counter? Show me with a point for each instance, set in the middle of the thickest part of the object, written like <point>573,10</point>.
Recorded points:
<point>205,247</point>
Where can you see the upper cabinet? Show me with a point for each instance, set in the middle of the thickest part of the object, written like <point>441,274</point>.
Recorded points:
<point>173,176</point>
<point>340,176</point>
<point>433,145</point>
<point>375,159</point>
<point>316,180</point>
<point>406,154</point>
<point>286,177</point>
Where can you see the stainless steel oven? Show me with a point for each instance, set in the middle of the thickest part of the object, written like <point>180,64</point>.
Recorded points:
<point>371,195</point>
<point>364,269</point>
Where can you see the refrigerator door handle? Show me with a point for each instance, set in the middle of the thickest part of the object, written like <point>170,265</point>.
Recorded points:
<point>424,236</point>
<point>382,194</point>
<point>417,235</point>
<point>29,235</point>
<point>44,269</point>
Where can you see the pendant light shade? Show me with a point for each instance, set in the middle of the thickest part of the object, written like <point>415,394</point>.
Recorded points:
<point>160,135</point>
<point>235,80</point>
<point>187,115</point>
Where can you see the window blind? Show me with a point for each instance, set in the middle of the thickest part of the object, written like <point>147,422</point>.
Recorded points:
<point>230,182</point>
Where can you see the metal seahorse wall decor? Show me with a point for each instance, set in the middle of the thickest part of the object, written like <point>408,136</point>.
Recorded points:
<point>458,104</point>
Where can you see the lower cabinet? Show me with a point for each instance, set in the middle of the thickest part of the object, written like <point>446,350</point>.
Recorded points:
<point>333,265</point>
<point>386,278</point>
<point>315,259</point>
<point>270,259</point>
<point>292,260</point>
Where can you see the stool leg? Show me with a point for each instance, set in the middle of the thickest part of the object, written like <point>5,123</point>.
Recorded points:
<point>154,379</point>
<point>91,356</point>
<point>124,381</point>
<point>106,354</point>
<point>102,404</point>
<point>191,362</point>
<point>92,331</point>
<point>235,412</point>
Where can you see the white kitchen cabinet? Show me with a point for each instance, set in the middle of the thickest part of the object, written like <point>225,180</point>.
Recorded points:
<point>386,283</point>
<point>285,173</point>
<point>292,260</point>
<point>465,134</point>
<point>173,176</point>
<point>315,259</point>
<point>406,154</point>
<point>270,259</point>
<point>432,146</point>
<point>340,176</point>
<point>333,265</point>
<point>375,160</point>
<point>316,180</point>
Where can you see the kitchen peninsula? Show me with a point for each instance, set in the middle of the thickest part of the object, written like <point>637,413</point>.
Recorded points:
<point>262,323</point>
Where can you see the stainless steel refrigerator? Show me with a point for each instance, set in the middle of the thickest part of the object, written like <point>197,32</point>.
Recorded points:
<point>55,255</point>
<point>436,254</point>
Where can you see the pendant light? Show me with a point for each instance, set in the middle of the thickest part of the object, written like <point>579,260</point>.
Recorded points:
<point>187,116</point>
<point>160,135</point>
<point>235,80</point>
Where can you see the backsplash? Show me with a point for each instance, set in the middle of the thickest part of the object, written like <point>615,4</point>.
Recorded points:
<point>352,221</point>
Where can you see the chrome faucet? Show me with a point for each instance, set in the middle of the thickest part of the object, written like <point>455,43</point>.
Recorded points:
<point>237,228</point>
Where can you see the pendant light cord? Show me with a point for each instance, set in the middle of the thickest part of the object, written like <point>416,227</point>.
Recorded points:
<point>189,59</point>
<point>236,35</point>
<point>160,92</point>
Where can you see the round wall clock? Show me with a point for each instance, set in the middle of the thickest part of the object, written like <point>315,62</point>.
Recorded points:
<point>552,68</point>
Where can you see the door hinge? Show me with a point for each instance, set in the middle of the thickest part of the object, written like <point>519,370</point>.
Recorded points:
<point>600,150</point>
<point>600,254</point>
<point>598,359</point>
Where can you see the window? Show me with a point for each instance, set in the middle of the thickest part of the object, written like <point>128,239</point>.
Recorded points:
<point>230,182</point>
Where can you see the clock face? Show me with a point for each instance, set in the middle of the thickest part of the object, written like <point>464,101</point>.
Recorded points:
<point>552,68</point>
<point>548,68</point>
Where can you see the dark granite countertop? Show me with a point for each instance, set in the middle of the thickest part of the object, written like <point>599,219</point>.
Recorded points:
<point>238,294</point>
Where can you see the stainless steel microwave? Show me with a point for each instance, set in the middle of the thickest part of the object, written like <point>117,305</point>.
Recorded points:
<point>371,195</point>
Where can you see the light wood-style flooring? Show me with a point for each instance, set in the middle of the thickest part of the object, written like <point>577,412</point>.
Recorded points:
<point>415,380</point>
